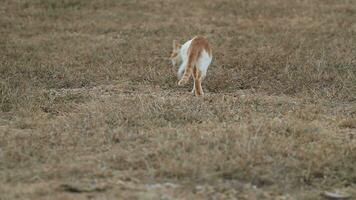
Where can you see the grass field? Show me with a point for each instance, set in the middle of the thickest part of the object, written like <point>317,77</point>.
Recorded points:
<point>90,107</point>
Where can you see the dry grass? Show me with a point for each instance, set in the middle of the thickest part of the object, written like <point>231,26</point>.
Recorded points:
<point>90,108</point>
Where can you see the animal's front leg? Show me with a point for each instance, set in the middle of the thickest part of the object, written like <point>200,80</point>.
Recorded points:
<point>202,92</point>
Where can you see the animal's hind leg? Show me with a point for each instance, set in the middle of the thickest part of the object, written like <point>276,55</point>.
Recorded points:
<point>195,75</point>
<point>197,82</point>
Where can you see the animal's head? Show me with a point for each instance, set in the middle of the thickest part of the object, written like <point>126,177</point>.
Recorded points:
<point>175,57</point>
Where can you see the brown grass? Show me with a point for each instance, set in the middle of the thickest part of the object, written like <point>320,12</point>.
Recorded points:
<point>90,108</point>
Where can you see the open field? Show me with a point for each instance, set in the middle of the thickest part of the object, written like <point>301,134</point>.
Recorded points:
<point>90,107</point>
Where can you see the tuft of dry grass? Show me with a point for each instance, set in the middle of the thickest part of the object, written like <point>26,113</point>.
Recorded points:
<point>88,100</point>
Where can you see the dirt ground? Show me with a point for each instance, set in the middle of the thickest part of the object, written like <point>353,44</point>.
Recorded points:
<point>90,107</point>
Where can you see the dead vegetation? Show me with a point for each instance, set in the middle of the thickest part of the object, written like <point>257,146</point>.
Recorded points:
<point>90,104</point>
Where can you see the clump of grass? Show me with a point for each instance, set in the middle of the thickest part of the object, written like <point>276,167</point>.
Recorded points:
<point>348,123</point>
<point>12,94</point>
<point>87,93</point>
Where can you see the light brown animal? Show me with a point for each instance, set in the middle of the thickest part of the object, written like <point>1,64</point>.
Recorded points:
<point>194,58</point>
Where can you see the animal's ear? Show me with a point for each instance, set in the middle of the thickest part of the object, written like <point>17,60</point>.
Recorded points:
<point>174,44</point>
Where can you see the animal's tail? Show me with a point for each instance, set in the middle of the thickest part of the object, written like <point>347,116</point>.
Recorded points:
<point>192,60</point>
